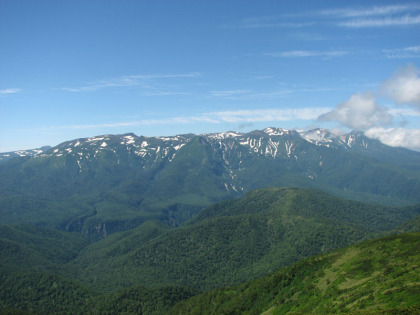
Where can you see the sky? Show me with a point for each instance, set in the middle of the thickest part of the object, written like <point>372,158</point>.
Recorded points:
<point>74,69</point>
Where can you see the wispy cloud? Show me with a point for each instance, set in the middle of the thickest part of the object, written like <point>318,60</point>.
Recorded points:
<point>284,91</point>
<point>272,22</point>
<point>230,93</point>
<point>370,11</point>
<point>267,115</point>
<point>307,53</point>
<point>407,52</point>
<point>238,116</point>
<point>9,91</point>
<point>139,80</point>
<point>405,20</point>
<point>249,94</point>
<point>376,16</point>
<point>350,17</point>
<point>278,25</point>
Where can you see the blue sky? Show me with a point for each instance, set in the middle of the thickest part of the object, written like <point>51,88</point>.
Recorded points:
<point>71,69</point>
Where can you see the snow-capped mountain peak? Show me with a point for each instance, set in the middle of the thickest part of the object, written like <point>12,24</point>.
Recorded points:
<point>271,131</point>
<point>223,135</point>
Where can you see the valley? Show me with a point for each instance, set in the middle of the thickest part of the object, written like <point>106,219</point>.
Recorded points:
<point>255,222</point>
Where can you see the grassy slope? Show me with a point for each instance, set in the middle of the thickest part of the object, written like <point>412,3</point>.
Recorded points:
<point>379,274</point>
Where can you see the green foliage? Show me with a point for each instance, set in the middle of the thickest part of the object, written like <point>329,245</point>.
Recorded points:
<point>37,248</point>
<point>102,190</point>
<point>140,300</point>
<point>412,225</point>
<point>151,267</point>
<point>235,241</point>
<point>41,293</point>
<point>45,293</point>
<point>374,277</point>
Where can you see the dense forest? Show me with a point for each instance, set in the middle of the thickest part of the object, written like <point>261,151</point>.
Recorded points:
<point>151,268</point>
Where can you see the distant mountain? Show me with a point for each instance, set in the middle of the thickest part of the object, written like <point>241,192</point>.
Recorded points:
<point>350,280</point>
<point>111,183</point>
<point>22,153</point>
<point>234,241</point>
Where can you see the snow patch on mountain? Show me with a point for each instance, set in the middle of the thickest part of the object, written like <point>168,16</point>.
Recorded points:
<point>223,135</point>
<point>318,136</point>
<point>276,131</point>
<point>95,139</point>
<point>177,147</point>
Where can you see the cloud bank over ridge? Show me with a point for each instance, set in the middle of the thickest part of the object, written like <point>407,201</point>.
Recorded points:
<point>362,111</point>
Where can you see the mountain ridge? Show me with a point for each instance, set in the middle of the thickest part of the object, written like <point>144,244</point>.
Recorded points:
<point>237,240</point>
<point>318,136</point>
<point>103,184</point>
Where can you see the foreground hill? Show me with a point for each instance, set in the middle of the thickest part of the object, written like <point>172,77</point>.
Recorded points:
<point>151,267</point>
<point>378,276</point>
<point>101,185</point>
<point>234,241</point>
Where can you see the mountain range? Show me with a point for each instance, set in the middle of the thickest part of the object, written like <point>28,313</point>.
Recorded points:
<point>121,223</point>
<point>111,183</point>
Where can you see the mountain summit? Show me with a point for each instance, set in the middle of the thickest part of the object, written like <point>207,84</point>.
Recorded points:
<point>108,183</point>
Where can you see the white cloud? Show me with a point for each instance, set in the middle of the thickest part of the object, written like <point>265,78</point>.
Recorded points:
<point>407,52</point>
<point>396,137</point>
<point>229,93</point>
<point>307,53</point>
<point>141,80</point>
<point>267,115</point>
<point>250,94</point>
<point>9,91</point>
<point>407,112</point>
<point>404,86</point>
<point>371,11</point>
<point>382,22</point>
<point>359,112</point>
<point>273,22</point>
<point>376,16</point>
<point>239,116</point>
<point>278,25</point>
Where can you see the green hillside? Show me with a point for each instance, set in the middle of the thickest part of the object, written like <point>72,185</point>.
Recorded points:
<point>149,268</point>
<point>378,276</point>
<point>32,260</point>
<point>235,241</point>
<point>112,183</point>
<point>412,225</point>
<point>36,248</point>
<point>46,293</point>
